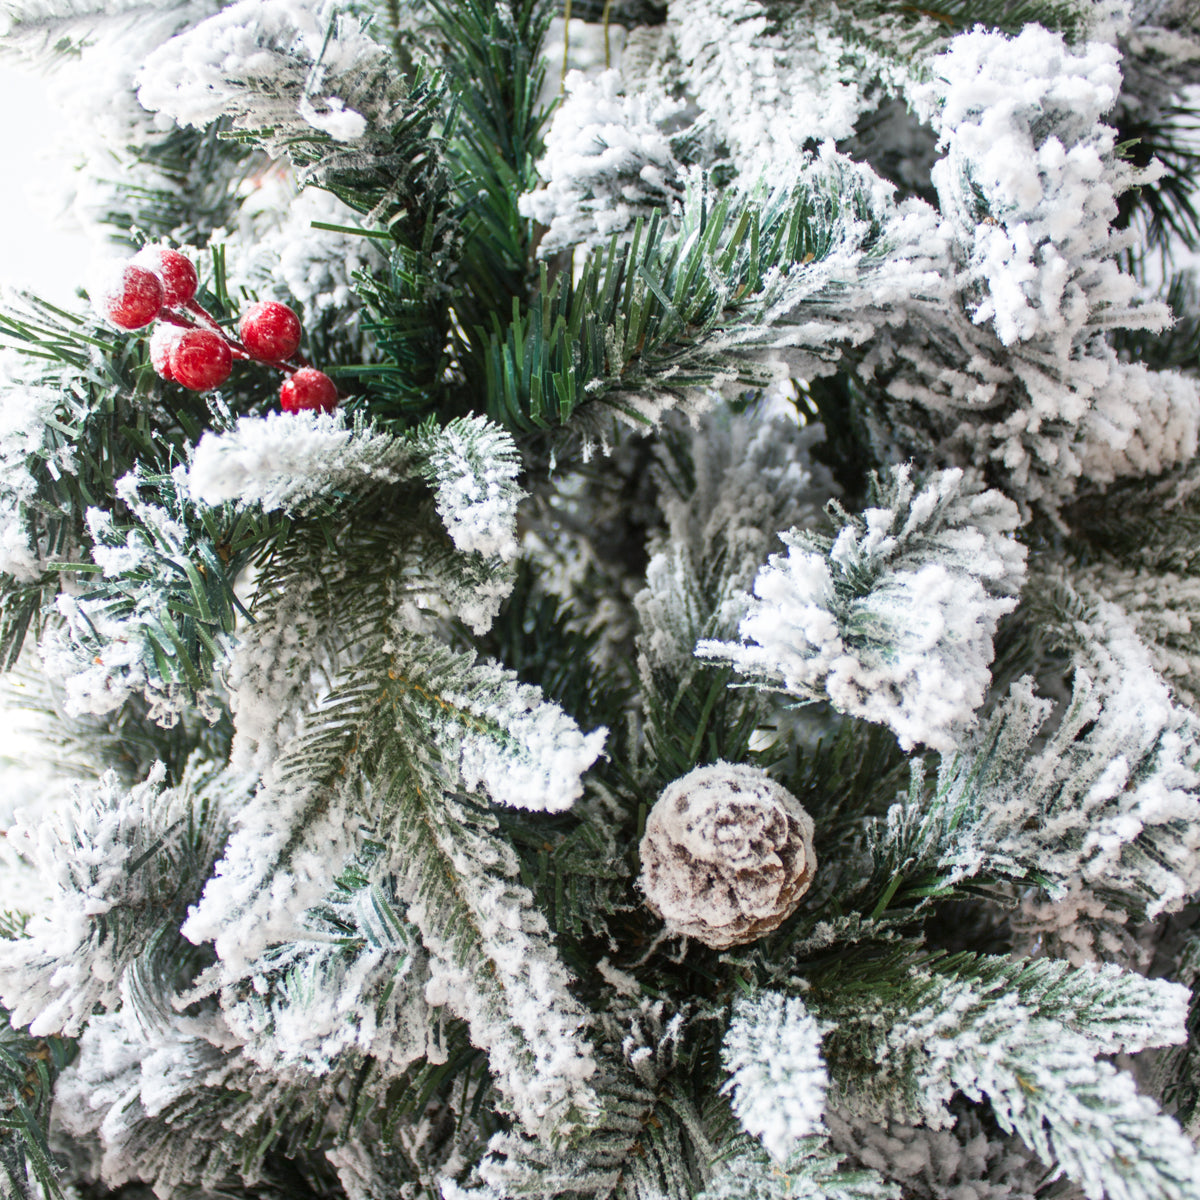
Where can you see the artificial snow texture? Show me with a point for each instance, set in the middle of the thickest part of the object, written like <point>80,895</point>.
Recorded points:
<point>283,460</point>
<point>893,620</point>
<point>777,1080</point>
<point>261,61</point>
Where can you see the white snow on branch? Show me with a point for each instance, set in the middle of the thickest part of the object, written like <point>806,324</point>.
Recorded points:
<point>1020,119</point>
<point>1028,191</point>
<point>1109,807</point>
<point>765,86</point>
<point>510,742</point>
<point>772,1051</point>
<point>753,474</point>
<point>24,412</point>
<point>893,620</point>
<point>473,465</point>
<point>101,857</point>
<point>1031,1038</point>
<point>608,161</point>
<point>266,63</point>
<point>283,460</point>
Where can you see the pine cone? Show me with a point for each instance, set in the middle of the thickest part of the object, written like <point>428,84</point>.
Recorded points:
<point>726,855</point>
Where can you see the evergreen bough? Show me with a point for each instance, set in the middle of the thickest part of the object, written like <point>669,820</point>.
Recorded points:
<point>789,385</point>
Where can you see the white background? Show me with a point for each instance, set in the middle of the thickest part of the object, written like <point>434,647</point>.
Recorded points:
<point>40,248</point>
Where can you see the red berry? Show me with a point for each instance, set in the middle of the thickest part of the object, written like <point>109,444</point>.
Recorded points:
<point>270,331</point>
<point>308,390</point>
<point>133,297</point>
<point>200,360</point>
<point>162,342</point>
<point>174,270</point>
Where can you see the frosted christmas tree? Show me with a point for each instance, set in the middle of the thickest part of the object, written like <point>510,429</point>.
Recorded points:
<point>605,603</point>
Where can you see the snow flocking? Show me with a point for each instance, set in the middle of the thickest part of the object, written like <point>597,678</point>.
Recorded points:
<point>772,1051</point>
<point>1028,189</point>
<point>24,412</point>
<point>76,951</point>
<point>474,466</point>
<point>765,87</point>
<point>1020,120</point>
<point>892,620</point>
<point>608,161</point>
<point>753,475</point>
<point>284,459</point>
<point>264,62</point>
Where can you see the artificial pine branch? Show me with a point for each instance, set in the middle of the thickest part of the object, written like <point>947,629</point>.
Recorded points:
<point>420,775</point>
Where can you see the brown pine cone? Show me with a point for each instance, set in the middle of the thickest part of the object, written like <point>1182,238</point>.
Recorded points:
<point>726,855</point>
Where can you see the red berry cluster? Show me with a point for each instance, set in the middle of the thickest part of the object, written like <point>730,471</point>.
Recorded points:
<point>189,346</point>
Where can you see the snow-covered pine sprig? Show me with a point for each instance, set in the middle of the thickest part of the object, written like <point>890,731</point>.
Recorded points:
<point>290,462</point>
<point>1033,1038</point>
<point>393,755</point>
<point>124,863</point>
<point>720,291</point>
<point>306,462</point>
<point>608,162</point>
<point>348,990</point>
<point>814,1171</point>
<point>1106,807</point>
<point>892,620</point>
<point>648,1133</point>
<point>777,1079</point>
<point>174,1100</point>
<point>304,82</point>
<point>1021,122</point>
<point>473,465</point>
<point>727,487</point>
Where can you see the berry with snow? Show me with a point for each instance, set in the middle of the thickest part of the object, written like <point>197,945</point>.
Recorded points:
<point>162,342</point>
<point>308,390</point>
<point>270,331</point>
<point>133,297</point>
<point>726,855</point>
<point>200,360</point>
<point>174,271</point>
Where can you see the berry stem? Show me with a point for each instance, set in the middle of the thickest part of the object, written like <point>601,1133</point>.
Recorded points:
<point>204,317</point>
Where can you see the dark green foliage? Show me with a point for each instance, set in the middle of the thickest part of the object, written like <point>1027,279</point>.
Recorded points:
<point>1175,347</point>
<point>721,721</point>
<point>495,69</point>
<point>579,875</point>
<point>539,637</point>
<point>20,608</point>
<point>901,29</point>
<point>28,1068</point>
<point>464,251</point>
<point>202,173</point>
<point>1167,207</point>
<point>1178,1069</point>
<point>845,408</point>
<point>1156,528</point>
<point>408,313</point>
<point>647,320</point>
<point>629,13</point>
